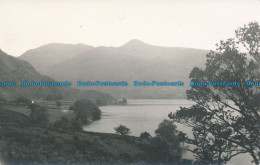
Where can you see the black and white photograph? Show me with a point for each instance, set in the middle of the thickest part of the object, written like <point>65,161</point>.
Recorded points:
<point>130,82</point>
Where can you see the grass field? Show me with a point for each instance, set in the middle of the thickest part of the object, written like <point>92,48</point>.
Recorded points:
<point>55,113</point>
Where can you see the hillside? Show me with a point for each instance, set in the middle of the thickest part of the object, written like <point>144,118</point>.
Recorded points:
<point>48,55</point>
<point>17,70</point>
<point>134,61</point>
<point>23,143</point>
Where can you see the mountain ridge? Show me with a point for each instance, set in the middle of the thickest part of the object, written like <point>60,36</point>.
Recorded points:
<point>133,61</point>
<point>44,55</point>
<point>17,70</point>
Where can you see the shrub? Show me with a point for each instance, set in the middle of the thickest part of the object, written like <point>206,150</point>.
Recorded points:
<point>145,135</point>
<point>122,130</point>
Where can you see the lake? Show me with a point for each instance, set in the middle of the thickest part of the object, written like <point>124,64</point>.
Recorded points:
<point>145,115</point>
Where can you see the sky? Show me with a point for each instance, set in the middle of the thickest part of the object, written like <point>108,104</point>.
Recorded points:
<point>28,24</point>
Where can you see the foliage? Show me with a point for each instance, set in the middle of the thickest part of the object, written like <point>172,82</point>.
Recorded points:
<point>3,100</point>
<point>67,125</point>
<point>100,102</point>
<point>168,131</point>
<point>63,123</point>
<point>124,101</point>
<point>39,115</point>
<point>145,135</point>
<point>58,103</point>
<point>76,125</point>
<point>27,144</point>
<point>122,130</point>
<point>86,111</point>
<point>71,107</point>
<point>226,119</point>
<point>160,149</point>
<point>23,100</point>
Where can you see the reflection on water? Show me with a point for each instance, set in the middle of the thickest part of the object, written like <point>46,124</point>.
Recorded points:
<point>145,115</point>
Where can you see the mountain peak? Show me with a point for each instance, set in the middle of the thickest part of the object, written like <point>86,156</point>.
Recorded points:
<point>134,43</point>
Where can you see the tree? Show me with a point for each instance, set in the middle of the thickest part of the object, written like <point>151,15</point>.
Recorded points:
<point>168,130</point>
<point>145,135</point>
<point>76,125</point>
<point>226,118</point>
<point>86,111</point>
<point>122,130</point>
<point>124,101</point>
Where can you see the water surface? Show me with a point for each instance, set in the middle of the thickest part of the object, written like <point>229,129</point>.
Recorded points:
<point>145,115</point>
<point>138,115</point>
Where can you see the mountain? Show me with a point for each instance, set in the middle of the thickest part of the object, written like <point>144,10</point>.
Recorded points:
<point>133,61</point>
<point>48,55</point>
<point>17,70</point>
